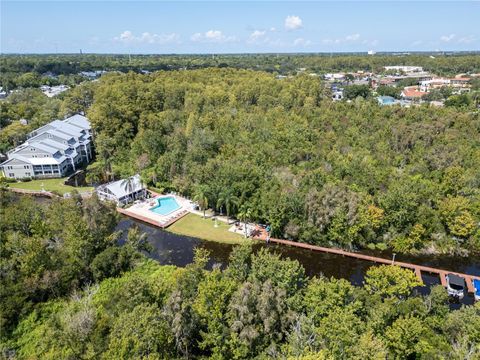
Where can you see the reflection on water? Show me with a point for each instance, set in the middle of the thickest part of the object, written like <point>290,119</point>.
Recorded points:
<point>173,249</point>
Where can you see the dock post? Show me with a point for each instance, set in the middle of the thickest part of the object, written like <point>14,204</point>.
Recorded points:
<point>443,279</point>
<point>419,274</point>
<point>469,282</point>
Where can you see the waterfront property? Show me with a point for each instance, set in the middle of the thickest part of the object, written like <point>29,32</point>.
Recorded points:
<point>123,191</point>
<point>51,151</point>
<point>159,210</point>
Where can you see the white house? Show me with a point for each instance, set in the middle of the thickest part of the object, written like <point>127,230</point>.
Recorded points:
<point>123,191</point>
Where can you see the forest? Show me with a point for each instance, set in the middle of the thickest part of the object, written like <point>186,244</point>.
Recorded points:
<point>351,175</point>
<point>69,291</point>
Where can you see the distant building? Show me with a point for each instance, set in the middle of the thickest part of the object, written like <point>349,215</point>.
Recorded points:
<point>334,76</point>
<point>53,150</point>
<point>412,93</point>
<point>52,91</point>
<point>404,68</point>
<point>371,52</point>
<point>123,191</point>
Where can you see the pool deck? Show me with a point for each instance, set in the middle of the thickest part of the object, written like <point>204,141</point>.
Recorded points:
<point>141,211</point>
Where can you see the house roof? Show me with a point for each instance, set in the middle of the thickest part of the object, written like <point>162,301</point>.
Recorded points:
<point>47,160</point>
<point>411,91</point>
<point>44,147</point>
<point>78,121</point>
<point>60,134</point>
<point>50,143</point>
<point>121,188</point>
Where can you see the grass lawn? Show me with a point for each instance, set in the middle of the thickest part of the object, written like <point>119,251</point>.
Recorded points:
<point>196,226</point>
<point>49,185</point>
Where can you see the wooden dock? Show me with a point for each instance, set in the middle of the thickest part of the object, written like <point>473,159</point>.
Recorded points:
<point>150,220</point>
<point>418,269</point>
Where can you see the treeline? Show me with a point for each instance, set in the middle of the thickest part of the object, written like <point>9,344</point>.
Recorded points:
<point>259,307</point>
<point>280,152</point>
<point>24,70</point>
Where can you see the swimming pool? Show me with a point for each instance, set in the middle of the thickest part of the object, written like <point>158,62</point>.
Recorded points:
<point>386,100</point>
<point>165,206</point>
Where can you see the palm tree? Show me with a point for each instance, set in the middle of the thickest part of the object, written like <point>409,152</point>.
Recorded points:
<point>137,240</point>
<point>128,185</point>
<point>229,200</point>
<point>200,196</point>
<point>244,214</point>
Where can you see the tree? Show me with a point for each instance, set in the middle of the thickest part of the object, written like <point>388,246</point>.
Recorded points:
<point>200,196</point>
<point>353,91</point>
<point>244,214</point>
<point>458,101</point>
<point>390,280</point>
<point>229,200</point>
<point>137,240</point>
<point>403,336</point>
<point>140,333</point>
<point>128,185</point>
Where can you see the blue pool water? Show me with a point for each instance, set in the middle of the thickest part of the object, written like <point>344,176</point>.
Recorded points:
<point>165,206</point>
<point>386,100</point>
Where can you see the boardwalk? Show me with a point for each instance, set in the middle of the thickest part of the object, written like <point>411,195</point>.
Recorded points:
<point>418,269</point>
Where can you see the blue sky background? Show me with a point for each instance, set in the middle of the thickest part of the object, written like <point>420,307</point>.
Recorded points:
<point>237,27</point>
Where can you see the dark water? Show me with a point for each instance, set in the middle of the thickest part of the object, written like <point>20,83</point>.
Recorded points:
<point>173,249</point>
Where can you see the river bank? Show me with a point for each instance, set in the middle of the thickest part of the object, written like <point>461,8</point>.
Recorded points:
<point>174,249</point>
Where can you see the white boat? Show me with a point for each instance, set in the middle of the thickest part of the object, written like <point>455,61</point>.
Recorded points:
<point>456,286</point>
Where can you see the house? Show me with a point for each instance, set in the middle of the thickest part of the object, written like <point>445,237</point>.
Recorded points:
<point>405,69</point>
<point>412,93</point>
<point>334,76</point>
<point>123,191</point>
<point>54,150</point>
<point>51,91</point>
<point>435,83</point>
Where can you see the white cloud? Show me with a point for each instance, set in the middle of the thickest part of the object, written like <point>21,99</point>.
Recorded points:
<point>257,36</point>
<point>467,39</point>
<point>353,37</point>
<point>293,22</point>
<point>447,38</point>
<point>349,38</point>
<point>212,36</point>
<point>301,42</point>
<point>128,37</point>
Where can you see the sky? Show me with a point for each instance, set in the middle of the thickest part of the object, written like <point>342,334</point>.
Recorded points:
<point>164,27</point>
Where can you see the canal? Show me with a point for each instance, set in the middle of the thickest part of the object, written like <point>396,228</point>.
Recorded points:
<point>173,249</point>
